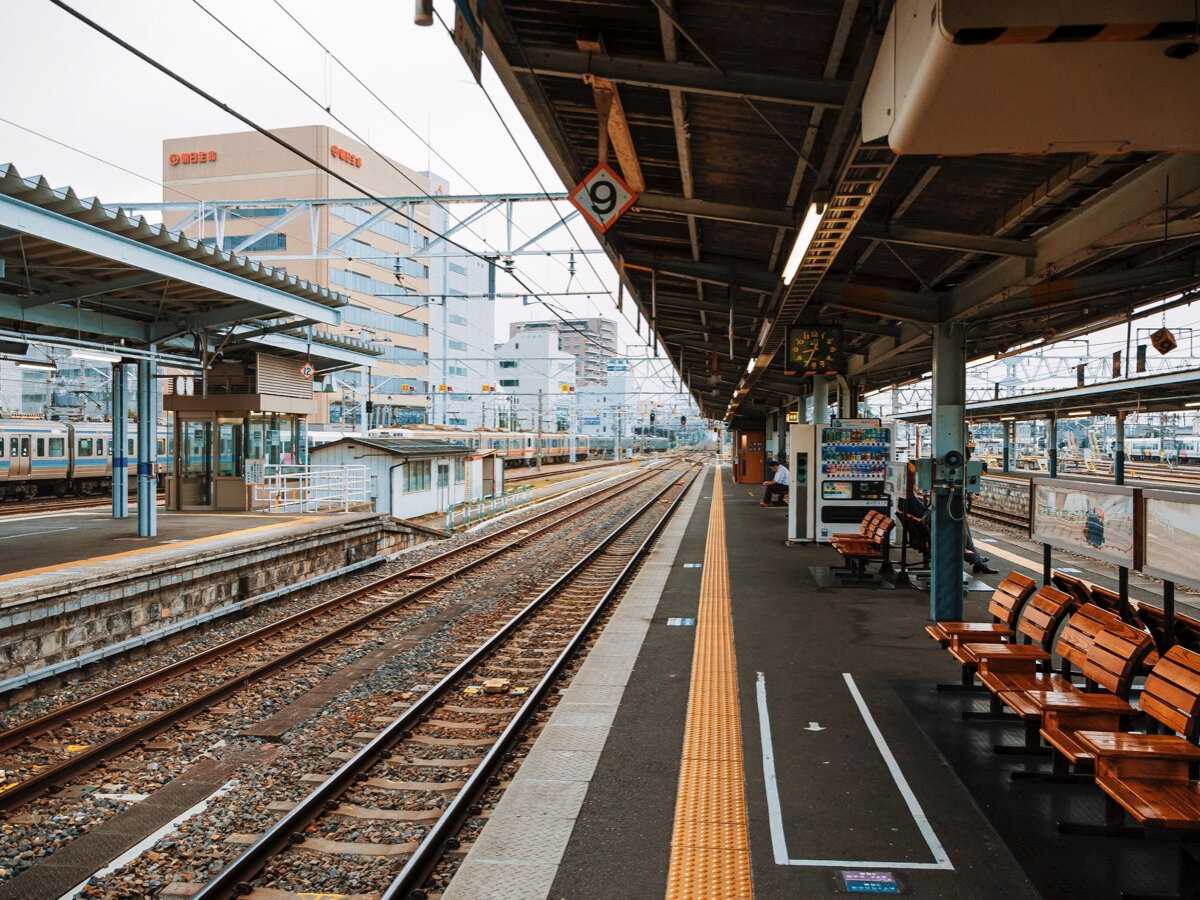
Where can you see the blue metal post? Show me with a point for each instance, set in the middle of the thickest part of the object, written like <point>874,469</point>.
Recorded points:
<point>147,418</point>
<point>120,444</point>
<point>949,506</point>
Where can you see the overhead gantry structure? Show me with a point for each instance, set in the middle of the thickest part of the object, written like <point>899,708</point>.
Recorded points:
<point>937,180</point>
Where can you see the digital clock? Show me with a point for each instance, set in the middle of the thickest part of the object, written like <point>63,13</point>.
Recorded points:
<point>813,350</point>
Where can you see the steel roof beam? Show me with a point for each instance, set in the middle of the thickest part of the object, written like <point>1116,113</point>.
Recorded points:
<point>945,240</point>
<point>75,320</point>
<point>720,212</point>
<point>93,289</point>
<point>694,79</point>
<point>713,273</point>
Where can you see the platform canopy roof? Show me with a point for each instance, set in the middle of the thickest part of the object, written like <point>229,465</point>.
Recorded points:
<point>77,271</point>
<point>731,117</point>
<point>1154,393</point>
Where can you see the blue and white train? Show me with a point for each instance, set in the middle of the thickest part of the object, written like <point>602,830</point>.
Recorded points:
<point>39,457</point>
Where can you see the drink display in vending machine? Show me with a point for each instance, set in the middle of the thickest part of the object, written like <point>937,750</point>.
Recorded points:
<point>852,474</point>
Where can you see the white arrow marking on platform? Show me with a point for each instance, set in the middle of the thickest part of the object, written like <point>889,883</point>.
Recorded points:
<point>814,726</point>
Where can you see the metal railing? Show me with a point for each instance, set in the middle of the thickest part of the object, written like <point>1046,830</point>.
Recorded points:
<point>485,507</point>
<point>296,489</point>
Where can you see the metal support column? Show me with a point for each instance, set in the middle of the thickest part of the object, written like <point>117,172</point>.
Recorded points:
<point>363,396</point>
<point>949,505</point>
<point>120,445</point>
<point>147,419</point>
<point>820,384</point>
<point>1006,458</point>
<point>1052,446</point>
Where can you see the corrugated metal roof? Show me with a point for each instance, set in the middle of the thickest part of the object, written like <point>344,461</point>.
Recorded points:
<point>90,211</point>
<point>403,447</point>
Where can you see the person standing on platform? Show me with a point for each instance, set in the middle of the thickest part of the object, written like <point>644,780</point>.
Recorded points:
<point>777,486</point>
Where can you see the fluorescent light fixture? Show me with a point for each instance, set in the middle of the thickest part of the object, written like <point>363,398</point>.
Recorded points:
<point>37,364</point>
<point>1076,413</point>
<point>1194,403</point>
<point>751,364</point>
<point>808,231</point>
<point>1008,418</point>
<point>96,355</point>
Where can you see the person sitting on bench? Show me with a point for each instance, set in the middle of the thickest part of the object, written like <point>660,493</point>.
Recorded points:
<point>777,486</point>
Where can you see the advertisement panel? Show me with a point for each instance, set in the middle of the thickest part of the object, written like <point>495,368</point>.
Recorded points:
<point>1093,520</point>
<point>1172,537</point>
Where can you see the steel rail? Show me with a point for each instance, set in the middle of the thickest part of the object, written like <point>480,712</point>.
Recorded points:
<point>234,879</point>
<point>48,780</point>
<point>441,836</point>
<point>57,717</point>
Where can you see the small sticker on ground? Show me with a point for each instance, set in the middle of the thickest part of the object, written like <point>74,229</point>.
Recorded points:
<point>693,565</point>
<point>1069,570</point>
<point>869,882</point>
<point>676,620</point>
<point>986,540</point>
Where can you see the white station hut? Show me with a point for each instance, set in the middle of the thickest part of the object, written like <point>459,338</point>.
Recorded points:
<point>412,478</point>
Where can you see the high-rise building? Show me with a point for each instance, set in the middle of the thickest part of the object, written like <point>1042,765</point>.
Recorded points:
<point>537,382</point>
<point>593,342</point>
<point>376,256</point>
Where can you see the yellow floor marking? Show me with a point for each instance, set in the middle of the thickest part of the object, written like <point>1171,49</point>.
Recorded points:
<point>710,846</point>
<point>128,553</point>
<point>993,550</point>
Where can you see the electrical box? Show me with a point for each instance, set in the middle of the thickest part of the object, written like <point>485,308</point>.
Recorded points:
<point>954,473</point>
<point>974,475</point>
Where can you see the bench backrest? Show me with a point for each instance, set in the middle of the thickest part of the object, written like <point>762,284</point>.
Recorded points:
<point>867,526</point>
<point>1043,613</point>
<point>1107,599</point>
<point>1076,587</point>
<point>1187,632</point>
<point>1009,597</point>
<point>1080,631</point>
<point>916,531</point>
<point>1172,692</point>
<point>1187,629</point>
<point>1116,656</point>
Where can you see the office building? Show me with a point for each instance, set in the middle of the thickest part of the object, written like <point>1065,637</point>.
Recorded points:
<point>374,256</point>
<point>593,342</point>
<point>537,382</point>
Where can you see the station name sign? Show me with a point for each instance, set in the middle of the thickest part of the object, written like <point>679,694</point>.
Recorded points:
<point>196,156</point>
<point>345,156</point>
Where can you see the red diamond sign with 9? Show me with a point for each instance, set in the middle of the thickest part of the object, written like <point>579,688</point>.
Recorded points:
<point>602,197</point>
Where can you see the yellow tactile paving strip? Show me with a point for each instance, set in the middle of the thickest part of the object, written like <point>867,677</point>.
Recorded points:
<point>710,847</point>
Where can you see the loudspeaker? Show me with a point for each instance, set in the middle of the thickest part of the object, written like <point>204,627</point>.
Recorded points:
<point>1163,341</point>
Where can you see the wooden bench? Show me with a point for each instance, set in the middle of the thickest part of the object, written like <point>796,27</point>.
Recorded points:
<point>1005,609</point>
<point>1069,584</point>
<point>1154,620</point>
<point>1151,777</point>
<point>1111,601</point>
<point>859,550</point>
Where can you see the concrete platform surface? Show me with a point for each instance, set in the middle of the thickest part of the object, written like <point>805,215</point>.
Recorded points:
<point>50,541</point>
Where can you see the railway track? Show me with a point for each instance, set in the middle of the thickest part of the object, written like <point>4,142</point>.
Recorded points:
<point>533,474</point>
<point>56,504</point>
<point>41,755</point>
<point>394,777</point>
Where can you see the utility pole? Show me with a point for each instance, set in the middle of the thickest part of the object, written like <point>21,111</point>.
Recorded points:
<point>617,437</point>
<point>538,449</point>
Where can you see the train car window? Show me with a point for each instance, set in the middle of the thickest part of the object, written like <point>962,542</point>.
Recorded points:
<point>162,447</point>
<point>131,450</point>
<point>24,448</point>
<point>84,448</point>
<point>58,447</point>
<point>99,446</point>
<point>14,448</point>
<point>1,447</point>
<point>41,446</point>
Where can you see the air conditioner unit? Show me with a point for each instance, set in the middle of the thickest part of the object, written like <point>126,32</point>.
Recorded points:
<point>962,77</point>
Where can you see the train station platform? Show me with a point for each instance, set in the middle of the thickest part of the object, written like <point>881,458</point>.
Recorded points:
<point>79,586</point>
<point>740,729</point>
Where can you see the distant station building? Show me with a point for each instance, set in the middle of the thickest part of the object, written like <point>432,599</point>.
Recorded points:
<point>362,250</point>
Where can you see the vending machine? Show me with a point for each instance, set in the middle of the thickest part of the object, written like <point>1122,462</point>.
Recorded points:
<point>841,471</point>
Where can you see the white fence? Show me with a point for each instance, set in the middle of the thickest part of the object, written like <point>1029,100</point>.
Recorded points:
<point>296,489</point>
<point>485,507</point>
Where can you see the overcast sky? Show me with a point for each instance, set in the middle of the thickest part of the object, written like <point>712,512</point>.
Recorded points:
<point>74,86</point>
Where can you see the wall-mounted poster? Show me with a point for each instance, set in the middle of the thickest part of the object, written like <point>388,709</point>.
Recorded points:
<point>1172,536</point>
<point>1092,520</point>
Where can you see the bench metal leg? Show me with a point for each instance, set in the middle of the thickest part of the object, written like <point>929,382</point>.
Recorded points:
<point>967,683</point>
<point>1114,823</point>
<point>995,713</point>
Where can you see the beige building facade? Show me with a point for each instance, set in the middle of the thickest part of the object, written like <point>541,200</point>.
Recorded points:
<point>373,266</point>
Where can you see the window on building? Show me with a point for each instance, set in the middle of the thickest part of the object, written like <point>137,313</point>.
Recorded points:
<point>416,476</point>
<point>460,471</point>
<point>457,370</point>
<point>457,345</point>
<point>58,447</point>
<point>508,363</point>
<point>84,448</point>
<point>510,382</point>
<point>458,320</point>
<point>443,475</point>
<point>273,241</point>
<point>456,268</point>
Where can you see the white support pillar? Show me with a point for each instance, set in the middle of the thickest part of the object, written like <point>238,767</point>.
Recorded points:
<point>120,444</point>
<point>820,385</point>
